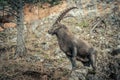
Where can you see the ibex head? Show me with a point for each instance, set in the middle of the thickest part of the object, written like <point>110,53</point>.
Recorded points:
<point>56,26</point>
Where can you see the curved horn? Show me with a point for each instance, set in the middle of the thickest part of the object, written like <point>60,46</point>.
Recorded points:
<point>61,16</point>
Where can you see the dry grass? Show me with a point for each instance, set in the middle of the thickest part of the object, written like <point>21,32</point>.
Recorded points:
<point>28,69</point>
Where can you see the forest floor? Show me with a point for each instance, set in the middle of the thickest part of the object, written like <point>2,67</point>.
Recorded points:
<point>30,67</point>
<point>45,61</point>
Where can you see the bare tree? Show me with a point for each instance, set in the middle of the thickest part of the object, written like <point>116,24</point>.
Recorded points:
<point>17,6</point>
<point>21,49</point>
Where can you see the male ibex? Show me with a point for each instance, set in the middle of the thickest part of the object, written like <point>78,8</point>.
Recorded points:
<point>75,49</point>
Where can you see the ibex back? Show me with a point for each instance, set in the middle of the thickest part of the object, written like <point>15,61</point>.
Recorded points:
<point>74,48</point>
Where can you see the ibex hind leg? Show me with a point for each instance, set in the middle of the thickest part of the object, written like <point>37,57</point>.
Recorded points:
<point>86,63</point>
<point>93,60</point>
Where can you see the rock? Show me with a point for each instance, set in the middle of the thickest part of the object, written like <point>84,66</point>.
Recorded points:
<point>78,74</point>
<point>68,66</point>
<point>118,46</point>
<point>57,51</point>
<point>48,37</point>
<point>5,77</point>
<point>94,77</point>
<point>34,58</point>
<point>59,54</point>
<point>45,45</point>
<point>77,29</point>
<point>73,76</point>
<point>13,40</point>
<point>115,51</point>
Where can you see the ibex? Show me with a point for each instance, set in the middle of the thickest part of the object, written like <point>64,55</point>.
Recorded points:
<point>74,48</point>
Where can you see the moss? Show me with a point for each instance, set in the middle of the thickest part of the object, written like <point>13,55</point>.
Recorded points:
<point>46,56</point>
<point>83,24</point>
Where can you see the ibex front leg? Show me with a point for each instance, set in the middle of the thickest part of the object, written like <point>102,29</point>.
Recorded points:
<point>72,59</point>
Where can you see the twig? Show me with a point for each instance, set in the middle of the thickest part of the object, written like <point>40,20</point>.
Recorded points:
<point>94,26</point>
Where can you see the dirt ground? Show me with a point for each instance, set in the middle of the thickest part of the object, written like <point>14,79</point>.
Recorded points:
<point>41,65</point>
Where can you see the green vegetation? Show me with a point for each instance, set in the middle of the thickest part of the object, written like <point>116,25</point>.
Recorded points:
<point>3,2</point>
<point>52,2</point>
<point>83,24</point>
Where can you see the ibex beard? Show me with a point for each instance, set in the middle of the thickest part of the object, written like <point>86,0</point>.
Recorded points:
<point>74,48</point>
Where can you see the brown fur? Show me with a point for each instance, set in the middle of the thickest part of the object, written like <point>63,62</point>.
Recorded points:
<point>74,48</point>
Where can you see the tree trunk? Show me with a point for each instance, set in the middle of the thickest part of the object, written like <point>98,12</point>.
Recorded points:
<point>20,49</point>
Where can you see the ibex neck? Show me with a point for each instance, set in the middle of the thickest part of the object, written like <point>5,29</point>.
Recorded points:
<point>63,34</point>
